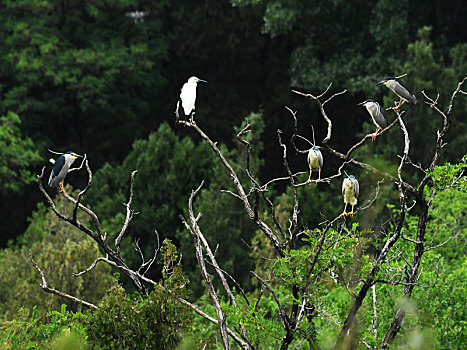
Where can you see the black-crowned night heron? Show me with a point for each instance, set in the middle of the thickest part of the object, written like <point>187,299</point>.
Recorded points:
<point>315,162</point>
<point>61,168</point>
<point>350,191</point>
<point>400,89</point>
<point>378,115</point>
<point>188,95</point>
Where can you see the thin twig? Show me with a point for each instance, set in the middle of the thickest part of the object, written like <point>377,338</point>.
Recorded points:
<point>129,213</point>
<point>46,288</point>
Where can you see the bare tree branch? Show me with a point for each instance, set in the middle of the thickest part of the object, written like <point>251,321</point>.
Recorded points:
<point>129,213</point>
<point>367,137</point>
<point>93,265</point>
<point>234,335</point>
<point>46,288</point>
<point>294,228</point>
<point>99,237</point>
<point>195,232</point>
<point>241,191</point>
<point>374,323</point>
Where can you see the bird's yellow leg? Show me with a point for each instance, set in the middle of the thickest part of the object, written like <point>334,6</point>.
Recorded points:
<point>351,213</point>
<point>309,177</point>
<point>62,189</point>
<point>373,136</point>
<point>344,213</point>
<point>401,102</point>
<point>319,175</point>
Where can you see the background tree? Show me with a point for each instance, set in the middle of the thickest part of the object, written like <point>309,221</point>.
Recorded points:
<point>61,250</point>
<point>85,77</point>
<point>302,269</point>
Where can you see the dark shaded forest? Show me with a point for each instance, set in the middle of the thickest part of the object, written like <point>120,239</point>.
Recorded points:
<point>86,76</point>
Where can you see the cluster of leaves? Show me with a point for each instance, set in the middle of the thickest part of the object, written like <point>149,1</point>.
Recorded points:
<point>450,175</point>
<point>60,250</point>
<point>339,273</point>
<point>63,330</point>
<point>17,154</point>
<point>156,321</point>
<point>122,320</point>
<point>89,60</point>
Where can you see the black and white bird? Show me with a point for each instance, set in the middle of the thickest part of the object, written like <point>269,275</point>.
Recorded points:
<point>188,96</point>
<point>61,168</point>
<point>315,162</point>
<point>400,89</point>
<point>138,16</point>
<point>378,115</point>
<point>350,191</point>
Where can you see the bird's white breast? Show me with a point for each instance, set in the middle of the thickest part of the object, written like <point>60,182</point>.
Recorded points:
<point>314,159</point>
<point>391,84</point>
<point>371,108</point>
<point>188,97</point>
<point>349,192</point>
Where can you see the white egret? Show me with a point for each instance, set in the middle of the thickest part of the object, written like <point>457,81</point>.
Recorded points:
<point>188,95</point>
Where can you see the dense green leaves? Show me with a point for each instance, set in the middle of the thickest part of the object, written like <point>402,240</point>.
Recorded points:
<point>156,321</point>
<point>17,155</point>
<point>84,76</point>
<point>122,321</point>
<point>60,250</point>
<point>63,65</point>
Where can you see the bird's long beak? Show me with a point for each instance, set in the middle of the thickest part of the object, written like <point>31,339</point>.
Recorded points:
<point>361,103</point>
<point>381,82</point>
<point>79,156</point>
<point>203,81</point>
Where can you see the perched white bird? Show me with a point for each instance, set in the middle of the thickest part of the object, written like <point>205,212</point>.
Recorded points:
<point>138,16</point>
<point>315,162</point>
<point>350,191</point>
<point>188,94</point>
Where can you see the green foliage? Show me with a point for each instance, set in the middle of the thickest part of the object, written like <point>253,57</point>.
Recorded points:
<point>59,249</point>
<point>89,60</point>
<point>17,155</point>
<point>445,313</point>
<point>84,76</point>
<point>450,175</point>
<point>435,316</point>
<point>259,316</point>
<point>155,321</point>
<point>123,321</point>
<point>17,334</point>
<point>63,330</point>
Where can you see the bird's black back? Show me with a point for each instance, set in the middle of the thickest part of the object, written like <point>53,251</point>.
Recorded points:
<point>403,84</point>
<point>58,165</point>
